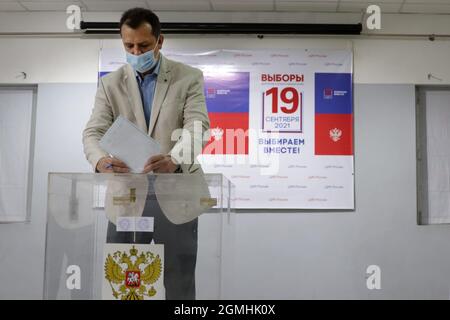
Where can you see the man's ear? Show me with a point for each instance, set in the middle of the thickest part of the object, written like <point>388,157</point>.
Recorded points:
<point>160,41</point>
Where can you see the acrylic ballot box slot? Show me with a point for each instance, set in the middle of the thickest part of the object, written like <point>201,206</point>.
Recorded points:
<point>136,236</point>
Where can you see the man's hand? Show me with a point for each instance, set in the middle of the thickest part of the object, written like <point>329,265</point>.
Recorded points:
<point>160,164</point>
<point>110,165</point>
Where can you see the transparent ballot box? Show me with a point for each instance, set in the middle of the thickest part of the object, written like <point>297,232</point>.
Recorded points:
<point>137,236</point>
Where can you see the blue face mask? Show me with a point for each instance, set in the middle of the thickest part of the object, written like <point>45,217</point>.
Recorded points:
<point>142,62</point>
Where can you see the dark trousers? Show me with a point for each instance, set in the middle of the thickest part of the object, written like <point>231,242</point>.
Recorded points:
<point>180,248</point>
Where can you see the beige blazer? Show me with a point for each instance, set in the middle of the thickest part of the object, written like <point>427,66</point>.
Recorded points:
<point>178,103</point>
<point>181,197</point>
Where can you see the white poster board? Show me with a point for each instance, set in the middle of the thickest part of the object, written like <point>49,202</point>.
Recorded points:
<point>281,123</point>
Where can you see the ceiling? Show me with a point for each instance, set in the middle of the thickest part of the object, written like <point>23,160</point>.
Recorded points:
<point>387,6</point>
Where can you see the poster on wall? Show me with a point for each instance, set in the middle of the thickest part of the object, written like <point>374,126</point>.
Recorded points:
<point>281,123</point>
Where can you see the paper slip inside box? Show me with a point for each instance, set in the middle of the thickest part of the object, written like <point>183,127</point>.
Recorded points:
<point>126,142</point>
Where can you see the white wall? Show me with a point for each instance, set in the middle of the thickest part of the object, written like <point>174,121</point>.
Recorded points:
<point>61,112</point>
<point>378,57</point>
<point>65,60</point>
<point>48,60</point>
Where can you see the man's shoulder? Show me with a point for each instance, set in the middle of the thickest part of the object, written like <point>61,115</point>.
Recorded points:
<point>115,76</point>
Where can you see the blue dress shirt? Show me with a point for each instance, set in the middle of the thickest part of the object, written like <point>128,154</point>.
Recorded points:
<point>147,89</point>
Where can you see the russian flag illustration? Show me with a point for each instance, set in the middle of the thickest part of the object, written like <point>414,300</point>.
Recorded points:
<point>333,114</point>
<point>227,101</point>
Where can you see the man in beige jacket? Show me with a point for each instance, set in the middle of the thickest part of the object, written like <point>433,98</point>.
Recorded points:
<point>165,99</point>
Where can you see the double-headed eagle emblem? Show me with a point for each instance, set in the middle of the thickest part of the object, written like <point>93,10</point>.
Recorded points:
<point>126,278</point>
<point>217,133</point>
<point>335,134</point>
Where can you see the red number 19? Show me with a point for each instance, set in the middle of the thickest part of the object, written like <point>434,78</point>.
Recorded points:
<point>288,95</point>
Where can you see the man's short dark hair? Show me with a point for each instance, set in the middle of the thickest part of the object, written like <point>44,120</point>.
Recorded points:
<point>135,17</point>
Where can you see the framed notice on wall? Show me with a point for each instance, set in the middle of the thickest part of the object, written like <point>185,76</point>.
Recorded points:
<point>281,123</point>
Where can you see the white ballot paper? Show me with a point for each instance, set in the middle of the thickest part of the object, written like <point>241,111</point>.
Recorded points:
<point>126,142</point>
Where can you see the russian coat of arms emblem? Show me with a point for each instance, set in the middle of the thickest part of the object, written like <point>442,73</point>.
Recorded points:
<point>335,134</point>
<point>133,273</point>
